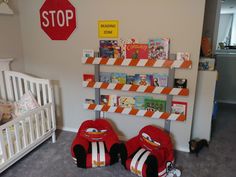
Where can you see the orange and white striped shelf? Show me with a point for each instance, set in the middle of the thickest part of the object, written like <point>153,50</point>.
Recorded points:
<point>182,64</point>
<point>135,112</point>
<point>137,88</point>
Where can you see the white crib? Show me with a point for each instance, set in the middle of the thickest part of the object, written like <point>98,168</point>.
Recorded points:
<point>22,134</point>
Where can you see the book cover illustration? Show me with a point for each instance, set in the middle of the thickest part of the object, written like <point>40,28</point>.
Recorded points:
<point>104,99</point>
<point>130,79</point>
<point>183,56</point>
<point>139,101</point>
<point>159,48</point>
<point>105,77</point>
<point>127,102</point>
<point>88,53</point>
<point>143,79</point>
<point>179,107</point>
<point>137,51</point>
<point>180,83</point>
<point>118,78</point>
<point>106,48</point>
<point>89,101</point>
<point>122,44</point>
<point>112,100</point>
<point>88,77</point>
<point>160,80</point>
<point>155,105</point>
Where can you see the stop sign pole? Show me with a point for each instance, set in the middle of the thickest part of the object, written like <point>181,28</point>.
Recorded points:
<point>58,19</point>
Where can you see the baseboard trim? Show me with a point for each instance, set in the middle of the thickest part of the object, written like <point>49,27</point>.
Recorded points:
<point>226,101</point>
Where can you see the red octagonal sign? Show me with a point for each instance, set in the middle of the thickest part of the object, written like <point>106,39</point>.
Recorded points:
<point>58,19</point>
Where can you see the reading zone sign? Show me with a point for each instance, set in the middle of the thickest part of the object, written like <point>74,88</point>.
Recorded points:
<point>108,29</point>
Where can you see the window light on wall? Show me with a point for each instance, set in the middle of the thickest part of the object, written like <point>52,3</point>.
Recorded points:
<point>4,8</point>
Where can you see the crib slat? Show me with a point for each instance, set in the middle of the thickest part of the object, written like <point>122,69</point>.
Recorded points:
<point>32,88</point>
<point>31,129</point>
<point>37,126</point>
<point>26,85</point>
<point>25,139</point>
<point>44,94</point>
<point>43,122</point>
<point>20,87</point>
<point>49,118</point>
<point>3,147</point>
<point>18,144</point>
<point>8,80</point>
<point>14,80</point>
<point>38,93</point>
<point>9,142</point>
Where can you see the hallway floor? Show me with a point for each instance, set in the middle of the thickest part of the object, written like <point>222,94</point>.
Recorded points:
<point>54,160</point>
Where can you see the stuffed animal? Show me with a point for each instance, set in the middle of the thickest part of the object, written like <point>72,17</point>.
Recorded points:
<point>96,144</point>
<point>149,154</point>
<point>196,146</point>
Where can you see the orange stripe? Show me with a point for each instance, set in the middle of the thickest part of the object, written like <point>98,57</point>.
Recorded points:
<point>105,108</point>
<point>119,109</point>
<point>149,113</point>
<point>104,61</point>
<point>181,118</point>
<point>90,60</point>
<point>167,64</point>
<point>133,112</point>
<point>184,92</point>
<point>104,85</point>
<point>92,106</point>
<point>150,62</point>
<point>91,84</point>
<point>134,62</point>
<point>118,61</point>
<point>166,90</point>
<point>118,86</point>
<point>165,115</point>
<point>186,64</point>
<point>133,88</point>
<point>149,89</point>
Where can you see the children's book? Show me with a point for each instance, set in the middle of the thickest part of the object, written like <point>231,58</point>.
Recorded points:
<point>180,83</point>
<point>137,51</point>
<point>143,79</point>
<point>106,48</point>
<point>130,79</point>
<point>127,102</point>
<point>117,52</point>
<point>88,77</point>
<point>89,101</point>
<point>160,80</point>
<point>104,99</point>
<point>112,100</point>
<point>88,53</point>
<point>179,107</point>
<point>159,48</point>
<point>105,77</point>
<point>122,44</point>
<point>139,101</point>
<point>118,78</point>
<point>155,105</point>
<point>183,56</point>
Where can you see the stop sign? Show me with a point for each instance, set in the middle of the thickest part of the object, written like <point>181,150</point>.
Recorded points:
<point>58,19</point>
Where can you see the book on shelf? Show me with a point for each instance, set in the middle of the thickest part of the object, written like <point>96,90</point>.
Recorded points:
<point>159,48</point>
<point>88,77</point>
<point>122,44</point>
<point>117,52</point>
<point>139,101</point>
<point>104,99</point>
<point>155,105</point>
<point>106,48</point>
<point>137,51</point>
<point>180,83</point>
<point>178,107</point>
<point>89,101</point>
<point>130,79</point>
<point>105,77</point>
<point>126,101</point>
<point>143,79</point>
<point>118,78</point>
<point>112,100</point>
<point>159,80</point>
<point>206,64</point>
<point>88,53</point>
<point>183,56</point>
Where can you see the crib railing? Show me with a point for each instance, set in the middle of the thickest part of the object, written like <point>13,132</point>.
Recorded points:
<point>24,132</point>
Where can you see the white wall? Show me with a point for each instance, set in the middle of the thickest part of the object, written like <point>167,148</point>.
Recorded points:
<point>180,20</point>
<point>10,37</point>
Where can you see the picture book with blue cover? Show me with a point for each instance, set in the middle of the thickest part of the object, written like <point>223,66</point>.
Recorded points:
<point>105,77</point>
<point>130,79</point>
<point>107,47</point>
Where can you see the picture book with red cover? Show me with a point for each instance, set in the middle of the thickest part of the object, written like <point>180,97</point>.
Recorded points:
<point>137,51</point>
<point>178,107</point>
<point>88,77</point>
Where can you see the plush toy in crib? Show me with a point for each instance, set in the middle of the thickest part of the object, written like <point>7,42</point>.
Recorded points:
<point>96,144</point>
<point>149,154</point>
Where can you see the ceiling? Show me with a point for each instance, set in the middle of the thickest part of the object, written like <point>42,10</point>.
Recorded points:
<point>228,6</point>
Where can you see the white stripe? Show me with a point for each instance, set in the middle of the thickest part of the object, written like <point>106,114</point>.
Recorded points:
<point>126,62</point>
<point>112,109</point>
<point>97,60</point>
<point>94,154</point>
<point>98,107</point>
<point>141,88</point>
<point>126,110</point>
<point>135,159</point>
<point>142,62</point>
<point>86,106</point>
<point>126,87</point>
<point>111,86</point>
<point>85,83</point>
<point>159,63</point>
<point>141,162</point>
<point>141,113</point>
<point>84,59</point>
<point>97,85</point>
<point>175,91</point>
<point>177,63</point>
<point>173,116</point>
<point>157,114</point>
<point>102,153</point>
<point>158,90</point>
<point>111,61</point>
